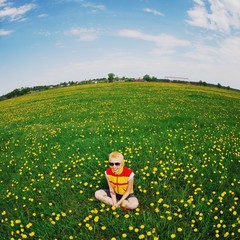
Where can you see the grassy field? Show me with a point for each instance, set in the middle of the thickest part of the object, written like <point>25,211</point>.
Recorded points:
<point>181,141</point>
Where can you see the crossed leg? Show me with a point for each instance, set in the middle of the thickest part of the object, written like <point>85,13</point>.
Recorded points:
<point>130,203</point>
<point>102,196</point>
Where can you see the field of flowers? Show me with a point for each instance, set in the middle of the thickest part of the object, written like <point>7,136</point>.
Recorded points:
<point>181,141</point>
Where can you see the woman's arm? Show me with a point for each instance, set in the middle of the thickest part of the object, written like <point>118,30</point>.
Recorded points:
<point>112,193</point>
<point>128,191</point>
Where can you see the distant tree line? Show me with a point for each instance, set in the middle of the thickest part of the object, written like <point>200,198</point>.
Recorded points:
<point>111,78</point>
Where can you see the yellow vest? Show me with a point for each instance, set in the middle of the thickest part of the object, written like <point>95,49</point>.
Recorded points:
<point>119,181</point>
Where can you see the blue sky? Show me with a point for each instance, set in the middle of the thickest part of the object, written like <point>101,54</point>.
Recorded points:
<point>45,42</point>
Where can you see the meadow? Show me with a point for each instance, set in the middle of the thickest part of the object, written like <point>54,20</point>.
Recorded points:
<point>181,141</point>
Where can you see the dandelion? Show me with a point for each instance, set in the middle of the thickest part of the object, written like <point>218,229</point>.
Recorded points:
<point>31,234</point>
<point>226,234</point>
<point>28,225</point>
<point>141,236</point>
<point>103,228</point>
<point>63,214</point>
<point>124,235</point>
<point>149,233</point>
<point>173,235</point>
<point>96,219</point>
<point>24,235</point>
<point>131,228</point>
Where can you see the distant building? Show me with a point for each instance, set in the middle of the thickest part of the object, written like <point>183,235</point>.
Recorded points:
<point>171,78</point>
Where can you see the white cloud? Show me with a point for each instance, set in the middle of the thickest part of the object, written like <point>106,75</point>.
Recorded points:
<point>164,42</point>
<point>93,6</point>
<point>84,34</point>
<point>89,5</point>
<point>14,13</point>
<point>3,3</point>
<point>4,32</point>
<point>153,11</point>
<point>217,15</point>
<point>43,15</point>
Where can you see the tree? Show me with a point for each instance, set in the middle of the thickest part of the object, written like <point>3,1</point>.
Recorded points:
<point>147,78</point>
<point>111,77</point>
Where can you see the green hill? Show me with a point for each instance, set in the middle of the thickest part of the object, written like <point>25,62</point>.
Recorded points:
<point>181,141</point>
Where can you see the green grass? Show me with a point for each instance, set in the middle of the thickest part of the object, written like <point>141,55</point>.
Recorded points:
<point>181,141</point>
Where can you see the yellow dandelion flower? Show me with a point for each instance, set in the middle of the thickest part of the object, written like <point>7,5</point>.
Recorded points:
<point>28,225</point>
<point>31,234</point>
<point>103,228</point>
<point>149,233</point>
<point>157,210</point>
<point>4,213</point>
<point>24,235</point>
<point>226,234</point>
<point>124,235</point>
<point>141,236</point>
<point>173,235</point>
<point>130,228</point>
<point>179,229</point>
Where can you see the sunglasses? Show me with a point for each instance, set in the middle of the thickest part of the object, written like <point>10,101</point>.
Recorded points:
<point>116,164</point>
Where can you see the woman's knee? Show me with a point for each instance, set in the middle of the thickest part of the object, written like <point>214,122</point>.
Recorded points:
<point>132,203</point>
<point>98,194</point>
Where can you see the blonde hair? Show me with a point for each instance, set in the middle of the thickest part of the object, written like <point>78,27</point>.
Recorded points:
<point>118,156</point>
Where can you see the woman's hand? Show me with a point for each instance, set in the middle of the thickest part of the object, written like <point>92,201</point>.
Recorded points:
<point>117,205</point>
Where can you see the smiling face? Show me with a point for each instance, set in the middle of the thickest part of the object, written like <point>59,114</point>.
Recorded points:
<point>116,161</point>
